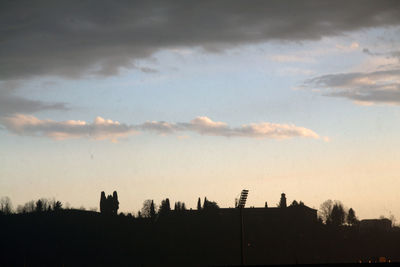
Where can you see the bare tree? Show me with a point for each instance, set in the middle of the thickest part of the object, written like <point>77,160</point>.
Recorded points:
<point>57,206</point>
<point>392,219</point>
<point>39,206</point>
<point>20,209</point>
<point>148,209</point>
<point>46,204</point>
<point>6,205</point>
<point>28,207</point>
<point>325,210</point>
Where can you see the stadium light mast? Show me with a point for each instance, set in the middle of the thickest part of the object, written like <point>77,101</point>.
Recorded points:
<point>240,205</point>
<point>242,200</point>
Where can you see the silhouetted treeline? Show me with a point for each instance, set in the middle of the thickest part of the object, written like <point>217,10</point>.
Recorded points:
<point>40,205</point>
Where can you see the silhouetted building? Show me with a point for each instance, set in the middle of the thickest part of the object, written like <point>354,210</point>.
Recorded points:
<point>273,217</point>
<point>282,202</point>
<point>300,214</point>
<point>377,225</point>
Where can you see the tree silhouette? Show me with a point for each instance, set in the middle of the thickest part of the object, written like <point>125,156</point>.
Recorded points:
<point>103,202</point>
<point>179,206</point>
<point>115,203</point>
<point>210,205</point>
<point>109,205</point>
<point>351,217</point>
<point>5,205</point>
<point>27,207</point>
<point>39,206</point>
<point>165,207</point>
<point>325,211</point>
<point>205,203</point>
<point>152,210</point>
<point>147,211</point>
<point>338,214</point>
<point>295,203</point>
<point>57,206</point>
<point>199,204</point>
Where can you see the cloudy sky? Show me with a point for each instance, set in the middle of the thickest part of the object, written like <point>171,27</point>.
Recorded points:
<point>183,99</point>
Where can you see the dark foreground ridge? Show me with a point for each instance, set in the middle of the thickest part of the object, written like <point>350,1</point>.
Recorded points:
<point>75,237</point>
<point>208,236</point>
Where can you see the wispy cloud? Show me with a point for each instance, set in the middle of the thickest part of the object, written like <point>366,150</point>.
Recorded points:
<point>363,87</point>
<point>390,54</point>
<point>11,103</point>
<point>291,58</point>
<point>101,129</point>
<point>295,71</point>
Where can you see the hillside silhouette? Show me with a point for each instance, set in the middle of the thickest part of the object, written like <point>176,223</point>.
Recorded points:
<point>48,235</point>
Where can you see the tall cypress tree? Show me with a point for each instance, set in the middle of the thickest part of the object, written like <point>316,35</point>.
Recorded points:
<point>115,203</point>
<point>205,204</point>
<point>199,204</point>
<point>103,201</point>
<point>152,210</point>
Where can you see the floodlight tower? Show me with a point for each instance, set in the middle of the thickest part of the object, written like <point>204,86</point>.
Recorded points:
<point>242,200</point>
<point>240,205</point>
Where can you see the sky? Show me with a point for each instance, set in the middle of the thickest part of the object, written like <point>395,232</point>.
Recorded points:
<point>187,99</point>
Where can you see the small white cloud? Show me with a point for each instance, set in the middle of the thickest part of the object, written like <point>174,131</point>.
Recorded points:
<point>326,139</point>
<point>348,48</point>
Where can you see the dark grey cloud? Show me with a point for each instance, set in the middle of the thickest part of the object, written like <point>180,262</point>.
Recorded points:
<point>366,87</point>
<point>101,129</point>
<point>368,52</point>
<point>72,38</point>
<point>11,102</point>
<point>394,53</point>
